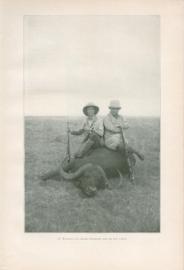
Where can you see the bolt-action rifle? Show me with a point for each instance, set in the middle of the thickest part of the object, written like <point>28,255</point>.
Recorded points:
<point>68,152</point>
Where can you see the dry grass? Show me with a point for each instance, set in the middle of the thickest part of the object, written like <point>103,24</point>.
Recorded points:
<point>57,206</point>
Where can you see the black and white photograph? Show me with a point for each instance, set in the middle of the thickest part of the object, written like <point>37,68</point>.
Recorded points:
<point>92,102</point>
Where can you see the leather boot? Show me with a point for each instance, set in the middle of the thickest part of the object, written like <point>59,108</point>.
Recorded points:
<point>51,174</point>
<point>121,148</point>
<point>138,154</point>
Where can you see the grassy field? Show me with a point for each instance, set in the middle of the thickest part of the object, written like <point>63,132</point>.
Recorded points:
<point>57,206</point>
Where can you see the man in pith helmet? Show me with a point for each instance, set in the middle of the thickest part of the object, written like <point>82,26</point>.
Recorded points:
<point>92,128</point>
<point>113,126</point>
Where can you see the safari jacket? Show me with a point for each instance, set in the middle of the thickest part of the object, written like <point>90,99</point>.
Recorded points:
<point>89,126</point>
<point>112,134</point>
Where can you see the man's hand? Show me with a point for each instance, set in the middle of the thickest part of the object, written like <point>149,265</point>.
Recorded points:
<point>76,132</point>
<point>119,128</point>
<point>71,131</point>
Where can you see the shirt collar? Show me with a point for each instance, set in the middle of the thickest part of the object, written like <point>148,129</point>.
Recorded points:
<point>93,119</point>
<point>110,114</point>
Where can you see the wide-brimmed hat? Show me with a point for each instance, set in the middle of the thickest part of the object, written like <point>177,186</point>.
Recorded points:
<point>90,104</point>
<point>115,104</point>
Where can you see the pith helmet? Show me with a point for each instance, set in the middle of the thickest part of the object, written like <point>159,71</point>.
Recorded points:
<point>115,104</point>
<point>90,104</point>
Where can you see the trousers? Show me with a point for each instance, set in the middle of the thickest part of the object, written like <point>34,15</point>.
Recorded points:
<point>91,141</point>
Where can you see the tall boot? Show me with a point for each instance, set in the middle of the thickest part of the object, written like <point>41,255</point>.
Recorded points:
<point>137,153</point>
<point>51,174</point>
<point>84,149</point>
<point>121,149</point>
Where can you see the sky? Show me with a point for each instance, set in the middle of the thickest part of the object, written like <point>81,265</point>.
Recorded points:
<point>75,59</point>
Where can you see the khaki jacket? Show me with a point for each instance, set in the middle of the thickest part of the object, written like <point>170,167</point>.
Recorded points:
<point>112,134</point>
<point>88,126</point>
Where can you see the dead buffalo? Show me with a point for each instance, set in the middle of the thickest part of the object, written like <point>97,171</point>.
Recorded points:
<point>111,161</point>
<point>90,172</point>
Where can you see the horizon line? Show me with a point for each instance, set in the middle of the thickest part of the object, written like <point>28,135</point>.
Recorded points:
<point>63,115</point>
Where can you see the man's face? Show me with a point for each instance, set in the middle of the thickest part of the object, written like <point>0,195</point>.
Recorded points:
<point>114,111</point>
<point>91,111</point>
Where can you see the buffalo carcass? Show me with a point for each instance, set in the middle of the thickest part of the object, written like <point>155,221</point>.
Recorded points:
<point>90,172</point>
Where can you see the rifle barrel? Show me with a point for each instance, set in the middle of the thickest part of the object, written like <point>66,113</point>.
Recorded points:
<point>68,141</point>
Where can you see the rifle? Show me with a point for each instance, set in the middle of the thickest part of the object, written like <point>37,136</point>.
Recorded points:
<point>130,170</point>
<point>68,152</point>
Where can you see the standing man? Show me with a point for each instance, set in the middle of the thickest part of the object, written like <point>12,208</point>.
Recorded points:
<point>92,128</point>
<point>114,124</point>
